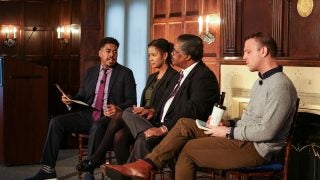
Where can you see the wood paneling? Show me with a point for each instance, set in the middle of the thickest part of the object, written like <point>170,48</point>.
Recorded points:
<point>66,63</point>
<point>183,18</point>
<point>35,13</point>
<point>304,32</point>
<point>210,6</point>
<point>192,8</point>
<point>175,9</point>
<point>159,9</point>
<point>297,37</point>
<point>191,27</point>
<point>174,30</point>
<point>23,112</point>
<point>258,12</point>
<point>159,30</point>
<point>10,12</point>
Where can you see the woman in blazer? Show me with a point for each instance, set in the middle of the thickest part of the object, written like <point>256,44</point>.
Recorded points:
<point>117,135</point>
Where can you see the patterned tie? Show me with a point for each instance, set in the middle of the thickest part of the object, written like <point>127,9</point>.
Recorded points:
<point>96,114</point>
<point>172,93</point>
<point>176,88</point>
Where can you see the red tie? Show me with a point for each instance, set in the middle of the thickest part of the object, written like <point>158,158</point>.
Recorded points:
<point>96,114</point>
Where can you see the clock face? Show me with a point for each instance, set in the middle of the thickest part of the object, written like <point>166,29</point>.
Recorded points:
<point>305,7</point>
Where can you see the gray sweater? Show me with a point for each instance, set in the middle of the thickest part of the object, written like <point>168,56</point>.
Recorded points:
<point>267,119</point>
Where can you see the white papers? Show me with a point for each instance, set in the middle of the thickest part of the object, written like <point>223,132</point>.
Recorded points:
<point>72,100</point>
<point>202,125</point>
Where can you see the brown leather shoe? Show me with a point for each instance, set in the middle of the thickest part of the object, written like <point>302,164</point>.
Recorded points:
<point>137,170</point>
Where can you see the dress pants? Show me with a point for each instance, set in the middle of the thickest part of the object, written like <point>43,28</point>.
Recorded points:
<point>137,126</point>
<point>78,122</point>
<point>199,149</point>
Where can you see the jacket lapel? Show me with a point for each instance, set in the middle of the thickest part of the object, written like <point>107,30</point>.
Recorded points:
<point>93,81</point>
<point>184,85</point>
<point>114,75</point>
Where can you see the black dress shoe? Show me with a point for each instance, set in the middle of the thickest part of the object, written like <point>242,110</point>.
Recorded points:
<point>85,166</point>
<point>43,175</point>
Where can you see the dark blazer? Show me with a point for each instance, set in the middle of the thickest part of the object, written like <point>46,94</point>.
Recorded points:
<point>159,89</point>
<point>122,87</point>
<point>194,99</point>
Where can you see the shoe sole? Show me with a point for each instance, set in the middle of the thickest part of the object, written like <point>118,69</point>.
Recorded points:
<point>112,172</point>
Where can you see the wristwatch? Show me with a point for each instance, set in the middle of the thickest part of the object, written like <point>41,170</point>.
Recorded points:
<point>228,133</point>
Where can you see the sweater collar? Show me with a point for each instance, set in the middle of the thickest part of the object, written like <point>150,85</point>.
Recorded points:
<point>270,72</point>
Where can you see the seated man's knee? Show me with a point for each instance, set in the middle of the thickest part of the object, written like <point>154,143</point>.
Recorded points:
<point>56,122</point>
<point>182,123</point>
<point>127,113</point>
<point>97,126</point>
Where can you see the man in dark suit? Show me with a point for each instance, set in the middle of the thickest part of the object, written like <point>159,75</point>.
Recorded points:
<point>191,94</point>
<point>107,88</point>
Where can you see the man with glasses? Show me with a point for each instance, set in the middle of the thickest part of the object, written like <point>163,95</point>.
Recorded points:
<point>191,94</point>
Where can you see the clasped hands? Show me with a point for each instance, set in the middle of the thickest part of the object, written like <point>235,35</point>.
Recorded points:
<point>148,114</point>
<point>154,131</point>
<point>141,111</point>
<point>217,131</point>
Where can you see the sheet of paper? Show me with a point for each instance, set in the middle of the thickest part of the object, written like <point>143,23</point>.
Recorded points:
<point>202,125</point>
<point>75,101</point>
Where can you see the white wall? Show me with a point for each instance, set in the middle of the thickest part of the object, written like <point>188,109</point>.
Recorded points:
<point>236,81</point>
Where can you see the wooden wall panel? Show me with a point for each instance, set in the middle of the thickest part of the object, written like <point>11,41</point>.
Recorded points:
<point>35,13</point>
<point>65,12</point>
<point>174,30</point>
<point>192,7</point>
<point>304,32</point>
<point>36,44</point>
<point>259,12</point>
<point>44,48</point>
<point>183,18</point>
<point>159,30</point>
<point>159,9</point>
<point>10,12</point>
<point>297,37</point>
<point>175,9</point>
<point>210,6</point>
<point>191,27</point>
<point>214,65</point>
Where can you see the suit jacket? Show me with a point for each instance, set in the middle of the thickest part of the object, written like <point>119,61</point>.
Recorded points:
<point>194,99</point>
<point>122,87</point>
<point>159,89</point>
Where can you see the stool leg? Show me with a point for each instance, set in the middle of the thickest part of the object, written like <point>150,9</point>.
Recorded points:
<point>162,174</point>
<point>80,154</point>
<point>152,175</point>
<point>212,174</point>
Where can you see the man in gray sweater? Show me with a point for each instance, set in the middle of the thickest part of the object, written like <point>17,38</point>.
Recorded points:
<point>253,140</point>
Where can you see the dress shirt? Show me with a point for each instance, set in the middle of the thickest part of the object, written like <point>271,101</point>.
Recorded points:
<point>106,94</point>
<point>169,101</point>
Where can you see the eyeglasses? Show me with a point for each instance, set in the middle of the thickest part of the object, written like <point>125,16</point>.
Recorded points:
<point>175,52</point>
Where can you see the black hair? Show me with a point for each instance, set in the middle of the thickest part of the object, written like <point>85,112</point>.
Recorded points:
<point>163,46</point>
<point>192,45</point>
<point>108,40</point>
<point>265,40</point>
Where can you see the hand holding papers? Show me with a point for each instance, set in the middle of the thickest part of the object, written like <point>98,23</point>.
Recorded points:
<point>216,115</point>
<point>202,125</point>
<point>72,100</point>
